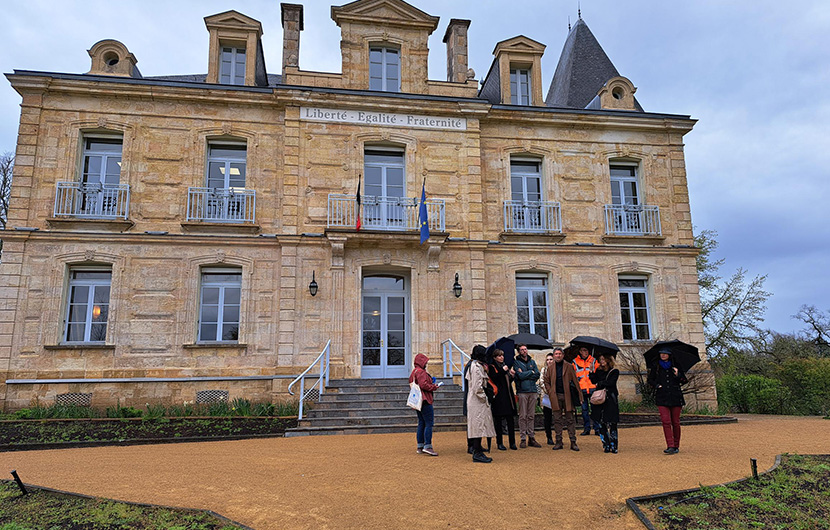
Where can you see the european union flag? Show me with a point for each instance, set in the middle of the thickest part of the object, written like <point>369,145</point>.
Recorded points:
<point>422,214</point>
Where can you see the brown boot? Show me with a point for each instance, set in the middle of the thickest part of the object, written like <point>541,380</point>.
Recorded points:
<point>558,445</point>
<point>532,442</point>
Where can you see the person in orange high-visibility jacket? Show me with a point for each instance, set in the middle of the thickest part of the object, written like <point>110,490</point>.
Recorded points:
<point>585,364</point>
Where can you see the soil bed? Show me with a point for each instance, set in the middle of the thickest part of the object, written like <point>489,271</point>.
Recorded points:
<point>52,433</point>
<point>43,508</point>
<point>794,495</point>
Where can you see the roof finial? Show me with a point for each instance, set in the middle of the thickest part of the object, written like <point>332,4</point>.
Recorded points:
<point>579,10</point>
<point>569,23</point>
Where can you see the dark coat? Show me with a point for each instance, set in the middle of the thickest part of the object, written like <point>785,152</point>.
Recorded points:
<point>608,412</point>
<point>505,402</point>
<point>668,392</point>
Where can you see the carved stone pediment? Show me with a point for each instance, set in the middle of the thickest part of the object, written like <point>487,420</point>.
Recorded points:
<point>393,12</point>
<point>520,44</point>
<point>233,19</point>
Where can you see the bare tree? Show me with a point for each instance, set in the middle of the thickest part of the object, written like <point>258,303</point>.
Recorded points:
<point>817,331</point>
<point>6,168</point>
<point>732,310</point>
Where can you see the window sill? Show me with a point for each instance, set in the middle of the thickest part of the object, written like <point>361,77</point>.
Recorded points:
<point>643,239</point>
<point>215,345</point>
<point>79,346</point>
<point>534,237</point>
<point>220,227</point>
<point>119,225</point>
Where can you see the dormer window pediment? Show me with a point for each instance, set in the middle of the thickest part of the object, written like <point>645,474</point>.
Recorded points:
<point>388,12</point>
<point>235,44</point>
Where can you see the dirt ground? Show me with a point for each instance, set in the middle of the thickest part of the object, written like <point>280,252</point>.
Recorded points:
<point>377,481</point>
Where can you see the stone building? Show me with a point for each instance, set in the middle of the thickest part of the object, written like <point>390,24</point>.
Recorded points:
<point>176,234</point>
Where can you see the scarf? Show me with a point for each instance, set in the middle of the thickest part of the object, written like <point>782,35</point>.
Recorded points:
<point>665,365</point>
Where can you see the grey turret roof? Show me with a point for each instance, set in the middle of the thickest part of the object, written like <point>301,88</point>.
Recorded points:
<point>582,71</point>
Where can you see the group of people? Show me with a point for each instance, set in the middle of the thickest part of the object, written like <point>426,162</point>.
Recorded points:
<point>561,387</point>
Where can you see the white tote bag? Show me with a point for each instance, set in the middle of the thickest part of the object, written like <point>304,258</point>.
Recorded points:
<point>415,397</point>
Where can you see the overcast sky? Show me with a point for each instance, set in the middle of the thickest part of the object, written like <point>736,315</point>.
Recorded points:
<point>755,73</point>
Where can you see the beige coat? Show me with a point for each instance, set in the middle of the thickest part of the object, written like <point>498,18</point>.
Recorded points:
<point>568,376</point>
<point>479,416</point>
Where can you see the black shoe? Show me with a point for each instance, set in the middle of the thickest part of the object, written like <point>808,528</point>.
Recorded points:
<point>481,458</point>
<point>469,450</point>
<point>513,447</point>
<point>673,451</point>
<point>668,450</point>
<point>607,449</point>
<point>550,441</point>
<point>585,432</point>
<point>596,433</point>
<point>502,447</point>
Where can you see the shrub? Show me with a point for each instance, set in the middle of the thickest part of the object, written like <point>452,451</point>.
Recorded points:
<point>122,412</point>
<point>753,394</point>
<point>38,412</point>
<point>628,406</point>
<point>808,380</point>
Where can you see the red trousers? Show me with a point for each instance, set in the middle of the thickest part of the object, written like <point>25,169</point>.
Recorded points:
<point>670,416</point>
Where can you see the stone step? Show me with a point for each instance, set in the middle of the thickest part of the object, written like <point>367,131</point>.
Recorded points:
<point>329,397</point>
<point>369,429</point>
<point>354,412</point>
<point>408,419</point>
<point>343,383</point>
<point>384,389</point>
<point>366,404</point>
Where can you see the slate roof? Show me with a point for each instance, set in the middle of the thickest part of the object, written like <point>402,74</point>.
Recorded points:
<point>582,70</point>
<point>273,79</point>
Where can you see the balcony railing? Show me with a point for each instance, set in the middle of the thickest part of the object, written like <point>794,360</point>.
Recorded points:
<point>92,201</point>
<point>384,213</point>
<point>221,205</point>
<point>632,220</point>
<point>532,217</point>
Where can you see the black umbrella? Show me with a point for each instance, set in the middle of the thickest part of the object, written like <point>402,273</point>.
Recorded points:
<point>595,345</point>
<point>683,355</point>
<point>507,346</point>
<point>531,340</point>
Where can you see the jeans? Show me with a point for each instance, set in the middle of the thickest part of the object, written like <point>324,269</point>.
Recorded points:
<point>670,417</point>
<point>527,414</point>
<point>426,419</point>
<point>586,414</point>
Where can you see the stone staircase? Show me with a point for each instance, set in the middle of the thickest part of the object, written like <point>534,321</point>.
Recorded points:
<point>369,406</point>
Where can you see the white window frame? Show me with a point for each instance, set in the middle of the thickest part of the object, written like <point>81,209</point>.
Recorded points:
<point>106,156</point>
<point>386,84</point>
<point>220,305</point>
<point>520,86</point>
<point>89,312</point>
<point>633,323</point>
<point>525,176</point>
<point>619,181</point>
<point>237,59</point>
<point>530,307</point>
<point>227,162</point>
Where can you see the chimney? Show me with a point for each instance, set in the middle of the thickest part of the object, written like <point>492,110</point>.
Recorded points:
<point>292,25</point>
<point>456,39</point>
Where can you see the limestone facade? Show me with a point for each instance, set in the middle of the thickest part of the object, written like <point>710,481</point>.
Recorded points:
<point>157,252</point>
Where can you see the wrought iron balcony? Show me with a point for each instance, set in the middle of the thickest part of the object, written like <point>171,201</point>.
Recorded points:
<point>92,201</point>
<point>384,213</point>
<point>533,217</point>
<point>221,205</point>
<point>632,220</point>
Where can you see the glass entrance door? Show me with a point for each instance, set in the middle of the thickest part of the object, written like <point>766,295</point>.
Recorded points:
<point>385,333</point>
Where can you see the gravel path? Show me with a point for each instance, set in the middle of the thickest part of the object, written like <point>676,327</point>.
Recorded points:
<point>377,481</point>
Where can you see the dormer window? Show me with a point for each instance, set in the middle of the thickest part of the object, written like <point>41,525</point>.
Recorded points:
<point>384,69</point>
<point>232,69</point>
<point>520,93</point>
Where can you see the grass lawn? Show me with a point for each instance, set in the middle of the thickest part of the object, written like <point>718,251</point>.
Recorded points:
<point>46,510</point>
<point>795,496</point>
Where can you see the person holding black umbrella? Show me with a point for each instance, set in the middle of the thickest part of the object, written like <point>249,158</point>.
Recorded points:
<point>666,378</point>
<point>607,413</point>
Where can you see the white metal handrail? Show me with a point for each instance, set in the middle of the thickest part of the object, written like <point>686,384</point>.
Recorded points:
<point>384,213</point>
<point>221,205</point>
<point>632,220</point>
<point>448,347</point>
<point>319,386</point>
<point>92,200</point>
<point>532,216</point>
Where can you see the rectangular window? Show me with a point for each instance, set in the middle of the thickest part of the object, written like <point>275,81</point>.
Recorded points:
<point>532,304</point>
<point>520,86</point>
<point>88,305</point>
<point>226,166</point>
<point>219,304</point>
<point>102,161</point>
<point>525,209</point>
<point>384,69</point>
<point>232,66</point>
<point>634,308</point>
<point>624,188</point>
